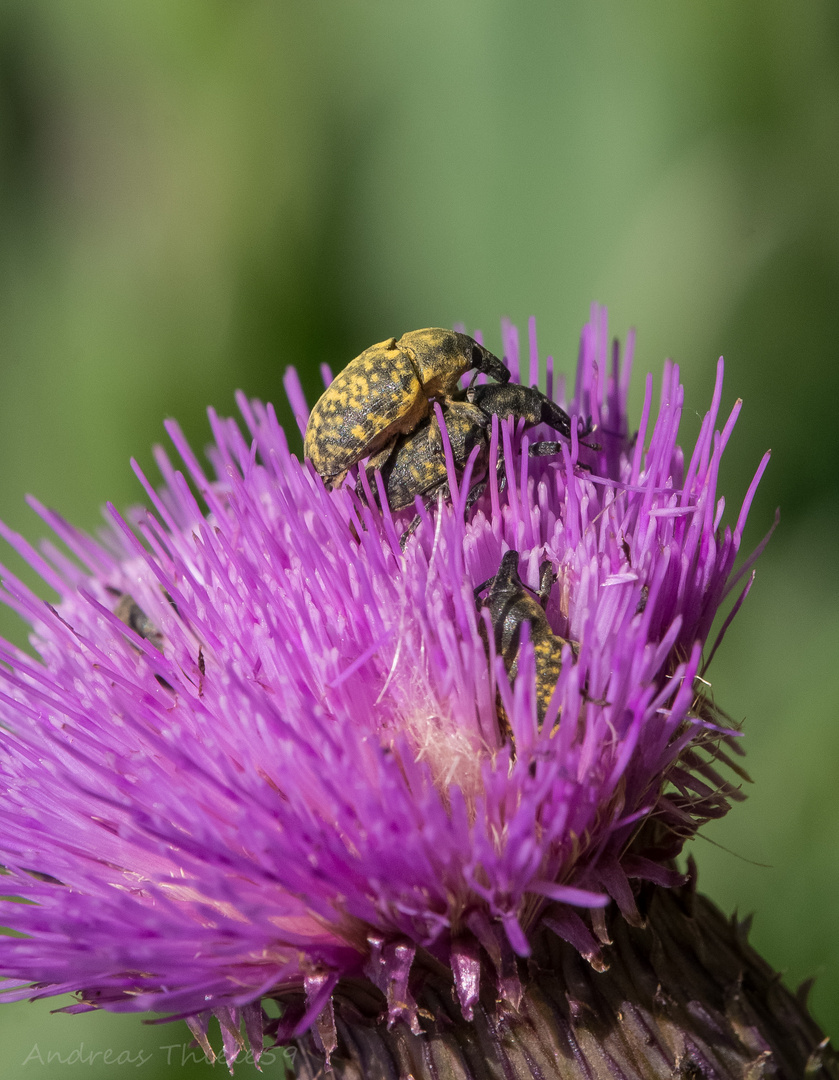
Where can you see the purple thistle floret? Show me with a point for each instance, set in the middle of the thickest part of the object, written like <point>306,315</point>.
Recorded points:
<point>301,775</point>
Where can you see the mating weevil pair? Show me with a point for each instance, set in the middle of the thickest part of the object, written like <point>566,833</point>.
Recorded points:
<point>380,407</point>
<point>511,606</point>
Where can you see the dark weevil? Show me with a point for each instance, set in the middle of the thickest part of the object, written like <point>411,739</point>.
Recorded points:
<point>511,605</point>
<point>417,464</point>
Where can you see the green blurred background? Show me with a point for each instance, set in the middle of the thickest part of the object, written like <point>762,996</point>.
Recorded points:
<point>195,194</point>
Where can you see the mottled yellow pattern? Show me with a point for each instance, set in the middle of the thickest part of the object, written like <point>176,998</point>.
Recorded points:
<point>375,397</point>
<point>547,650</point>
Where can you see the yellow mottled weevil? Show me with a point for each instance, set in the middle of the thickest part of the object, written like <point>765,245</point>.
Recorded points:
<point>511,604</point>
<point>386,391</point>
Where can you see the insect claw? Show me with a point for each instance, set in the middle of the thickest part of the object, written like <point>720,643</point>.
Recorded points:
<point>409,532</point>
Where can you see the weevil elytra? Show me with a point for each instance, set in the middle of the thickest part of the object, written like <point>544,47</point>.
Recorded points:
<point>385,392</point>
<point>511,605</point>
<point>416,465</point>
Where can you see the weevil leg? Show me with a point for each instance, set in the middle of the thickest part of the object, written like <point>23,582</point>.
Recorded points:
<point>544,449</point>
<point>480,588</point>
<point>548,449</point>
<point>475,492</point>
<point>547,576</point>
<point>409,532</point>
<point>377,460</point>
<point>374,462</point>
<point>500,470</point>
<point>332,482</point>
<point>430,502</point>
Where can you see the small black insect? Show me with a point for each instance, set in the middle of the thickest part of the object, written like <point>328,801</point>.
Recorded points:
<point>387,391</point>
<point>128,611</point>
<point>511,605</point>
<point>417,465</point>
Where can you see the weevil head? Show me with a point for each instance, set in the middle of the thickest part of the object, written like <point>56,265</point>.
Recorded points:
<point>505,589</point>
<point>511,604</point>
<point>507,581</point>
<point>442,356</point>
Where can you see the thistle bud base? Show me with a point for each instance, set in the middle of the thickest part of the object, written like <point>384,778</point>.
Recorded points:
<point>685,996</point>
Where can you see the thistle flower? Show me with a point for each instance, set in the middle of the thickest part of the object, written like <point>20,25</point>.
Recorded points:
<point>259,754</point>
